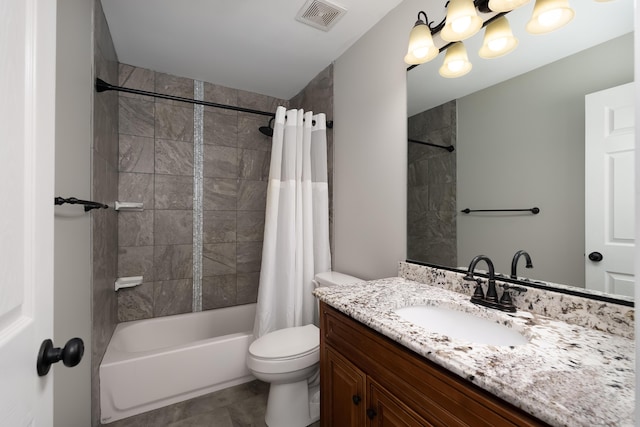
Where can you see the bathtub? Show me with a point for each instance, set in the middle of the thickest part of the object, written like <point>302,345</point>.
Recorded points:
<point>152,363</point>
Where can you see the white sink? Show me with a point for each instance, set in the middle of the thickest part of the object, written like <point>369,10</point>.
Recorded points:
<point>461,326</point>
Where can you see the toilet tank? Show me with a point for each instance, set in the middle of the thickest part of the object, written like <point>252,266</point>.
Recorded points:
<point>333,278</point>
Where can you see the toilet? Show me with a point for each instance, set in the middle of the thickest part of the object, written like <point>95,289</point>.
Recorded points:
<point>289,359</point>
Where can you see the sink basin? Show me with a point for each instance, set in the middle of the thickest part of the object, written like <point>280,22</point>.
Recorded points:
<point>461,326</point>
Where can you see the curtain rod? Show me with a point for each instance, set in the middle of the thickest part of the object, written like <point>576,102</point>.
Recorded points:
<point>102,86</point>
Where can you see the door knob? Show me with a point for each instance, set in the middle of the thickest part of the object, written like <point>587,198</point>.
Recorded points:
<point>70,355</point>
<point>595,256</point>
<point>356,399</point>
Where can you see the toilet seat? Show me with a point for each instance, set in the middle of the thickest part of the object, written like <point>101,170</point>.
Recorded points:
<point>285,350</point>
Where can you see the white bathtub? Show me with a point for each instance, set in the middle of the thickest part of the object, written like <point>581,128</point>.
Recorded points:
<point>152,363</point>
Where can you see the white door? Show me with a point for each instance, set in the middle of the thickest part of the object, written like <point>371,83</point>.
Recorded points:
<point>609,190</point>
<point>27,113</point>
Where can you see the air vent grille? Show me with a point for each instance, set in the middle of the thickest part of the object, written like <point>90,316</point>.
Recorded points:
<point>320,14</point>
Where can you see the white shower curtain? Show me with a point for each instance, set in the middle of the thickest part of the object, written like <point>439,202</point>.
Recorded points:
<point>296,232</point>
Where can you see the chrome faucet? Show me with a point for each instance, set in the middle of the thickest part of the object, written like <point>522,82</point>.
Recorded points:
<point>514,262</point>
<point>491,298</point>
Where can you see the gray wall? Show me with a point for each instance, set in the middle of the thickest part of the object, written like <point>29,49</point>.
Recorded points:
<point>72,254</point>
<point>104,173</point>
<point>156,167</point>
<point>431,187</point>
<point>370,170</point>
<point>521,144</point>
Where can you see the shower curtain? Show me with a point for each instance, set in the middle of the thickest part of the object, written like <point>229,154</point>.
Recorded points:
<point>296,232</point>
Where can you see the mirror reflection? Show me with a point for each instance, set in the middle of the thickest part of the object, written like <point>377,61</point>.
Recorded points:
<point>519,137</point>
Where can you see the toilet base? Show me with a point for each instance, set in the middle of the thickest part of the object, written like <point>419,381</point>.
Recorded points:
<point>292,405</point>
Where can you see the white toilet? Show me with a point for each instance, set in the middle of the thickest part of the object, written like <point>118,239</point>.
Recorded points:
<point>288,359</point>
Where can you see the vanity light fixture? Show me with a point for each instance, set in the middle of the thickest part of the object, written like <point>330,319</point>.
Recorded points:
<point>498,39</point>
<point>549,15</point>
<point>506,5</point>
<point>456,62</point>
<point>462,21</point>
<point>421,47</point>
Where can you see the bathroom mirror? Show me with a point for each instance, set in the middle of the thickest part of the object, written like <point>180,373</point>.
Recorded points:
<point>518,126</point>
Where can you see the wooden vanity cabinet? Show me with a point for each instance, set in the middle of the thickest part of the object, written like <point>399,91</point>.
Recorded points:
<point>367,379</point>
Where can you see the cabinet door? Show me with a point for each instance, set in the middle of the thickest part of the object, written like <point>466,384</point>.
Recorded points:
<point>343,396</point>
<point>385,410</point>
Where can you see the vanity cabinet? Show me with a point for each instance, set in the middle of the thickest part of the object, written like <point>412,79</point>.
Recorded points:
<point>369,380</point>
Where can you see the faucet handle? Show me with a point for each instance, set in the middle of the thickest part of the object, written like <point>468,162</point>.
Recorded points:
<point>478,293</point>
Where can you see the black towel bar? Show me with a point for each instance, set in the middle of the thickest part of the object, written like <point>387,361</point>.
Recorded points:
<point>534,210</point>
<point>88,205</point>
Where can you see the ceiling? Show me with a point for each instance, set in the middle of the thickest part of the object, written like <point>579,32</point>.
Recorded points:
<point>594,23</point>
<point>254,45</point>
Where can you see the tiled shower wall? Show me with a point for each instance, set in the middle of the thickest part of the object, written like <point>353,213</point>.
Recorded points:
<point>157,168</point>
<point>431,187</point>
<point>104,189</point>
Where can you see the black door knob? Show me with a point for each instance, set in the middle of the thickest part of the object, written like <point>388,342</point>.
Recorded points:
<point>356,399</point>
<point>70,355</point>
<point>595,256</point>
<point>371,413</point>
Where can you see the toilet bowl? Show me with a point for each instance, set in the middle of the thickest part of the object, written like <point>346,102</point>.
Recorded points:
<point>289,359</point>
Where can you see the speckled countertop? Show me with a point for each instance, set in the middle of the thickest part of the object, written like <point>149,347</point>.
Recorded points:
<point>568,375</point>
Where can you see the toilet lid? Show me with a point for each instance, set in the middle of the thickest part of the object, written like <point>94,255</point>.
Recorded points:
<point>286,343</point>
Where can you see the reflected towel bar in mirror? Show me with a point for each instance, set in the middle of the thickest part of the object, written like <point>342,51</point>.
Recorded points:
<point>533,210</point>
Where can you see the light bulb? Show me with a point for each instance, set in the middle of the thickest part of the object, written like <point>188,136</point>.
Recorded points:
<point>461,24</point>
<point>549,18</point>
<point>498,44</point>
<point>455,66</point>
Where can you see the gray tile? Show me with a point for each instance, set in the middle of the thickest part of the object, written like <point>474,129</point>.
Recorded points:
<point>173,122</point>
<point>250,226</point>
<point>136,117</point>
<point>136,261</point>
<point>136,78</point>
<point>217,418</point>
<point>252,195</point>
<point>168,84</point>
<point>218,291</point>
<point>250,412</point>
<point>442,197</point>
<point>172,297</point>
<point>105,124</point>
<point>173,192</point>
<point>220,194</point>
<point>219,226</point>
<point>220,162</point>
<point>173,157</point>
<point>136,154</point>
<point>247,287</point>
<point>173,227</point>
<point>249,257</point>
<point>136,187</point>
<point>220,129</point>
<point>173,262</point>
<point>257,101</point>
<point>220,95</point>
<point>218,259</point>
<point>248,134</point>
<point>135,303</point>
<point>135,228</point>
<point>254,165</point>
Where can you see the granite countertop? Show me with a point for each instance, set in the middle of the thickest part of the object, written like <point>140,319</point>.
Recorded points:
<point>567,375</point>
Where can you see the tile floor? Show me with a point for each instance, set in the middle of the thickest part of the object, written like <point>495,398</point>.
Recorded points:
<point>240,406</point>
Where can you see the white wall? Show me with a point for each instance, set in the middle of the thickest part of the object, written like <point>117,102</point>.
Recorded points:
<point>521,144</point>
<point>72,279</point>
<point>370,149</point>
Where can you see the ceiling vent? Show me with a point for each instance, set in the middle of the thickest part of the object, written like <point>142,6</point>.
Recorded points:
<point>320,14</point>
